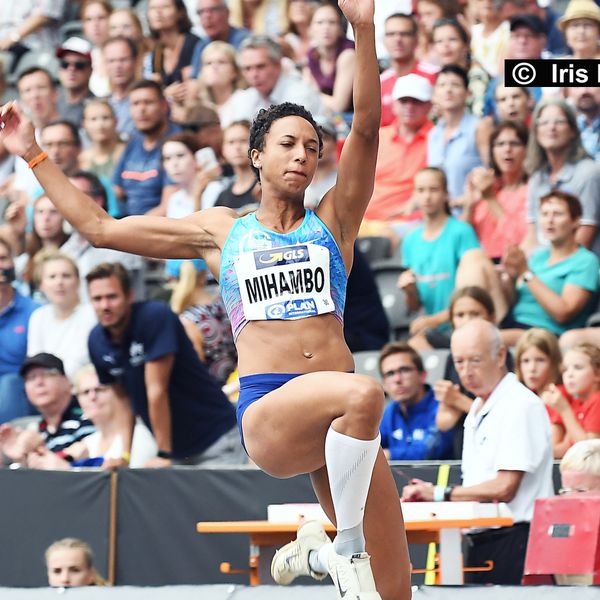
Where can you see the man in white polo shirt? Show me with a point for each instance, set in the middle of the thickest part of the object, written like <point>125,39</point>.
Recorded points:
<point>507,453</point>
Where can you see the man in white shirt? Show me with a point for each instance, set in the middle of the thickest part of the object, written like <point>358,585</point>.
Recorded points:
<point>259,59</point>
<point>507,453</point>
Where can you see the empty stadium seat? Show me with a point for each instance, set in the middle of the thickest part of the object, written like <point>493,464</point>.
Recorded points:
<point>69,29</point>
<point>394,303</point>
<point>434,362</point>
<point>374,247</point>
<point>367,363</point>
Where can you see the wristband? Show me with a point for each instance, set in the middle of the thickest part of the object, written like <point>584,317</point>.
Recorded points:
<point>126,456</point>
<point>36,160</point>
<point>14,36</point>
<point>65,456</point>
<point>448,493</point>
<point>164,454</point>
<point>439,492</point>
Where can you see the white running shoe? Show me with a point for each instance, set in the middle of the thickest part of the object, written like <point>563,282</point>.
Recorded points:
<point>352,577</point>
<point>291,560</point>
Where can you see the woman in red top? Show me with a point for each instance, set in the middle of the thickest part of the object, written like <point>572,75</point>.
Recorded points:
<point>574,407</point>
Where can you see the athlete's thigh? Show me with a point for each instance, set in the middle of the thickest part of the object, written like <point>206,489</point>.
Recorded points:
<point>383,526</point>
<point>284,431</point>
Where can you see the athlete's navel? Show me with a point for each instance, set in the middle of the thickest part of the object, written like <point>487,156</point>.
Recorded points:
<point>308,354</point>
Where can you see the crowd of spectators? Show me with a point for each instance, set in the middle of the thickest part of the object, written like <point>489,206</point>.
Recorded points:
<point>489,197</point>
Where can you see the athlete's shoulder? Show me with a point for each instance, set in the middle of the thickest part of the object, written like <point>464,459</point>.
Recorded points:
<point>215,214</point>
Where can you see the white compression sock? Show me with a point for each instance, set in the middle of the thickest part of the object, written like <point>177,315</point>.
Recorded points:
<point>350,465</point>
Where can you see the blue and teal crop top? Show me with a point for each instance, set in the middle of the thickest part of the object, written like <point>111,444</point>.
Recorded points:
<point>268,275</point>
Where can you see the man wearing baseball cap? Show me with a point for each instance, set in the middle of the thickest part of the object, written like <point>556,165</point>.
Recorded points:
<point>402,152</point>
<point>528,36</point>
<point>555,42</point>
<point>75,70</point>
<point>62,423</point>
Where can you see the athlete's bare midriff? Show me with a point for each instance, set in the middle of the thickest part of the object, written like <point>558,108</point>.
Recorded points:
<point>300,346</point>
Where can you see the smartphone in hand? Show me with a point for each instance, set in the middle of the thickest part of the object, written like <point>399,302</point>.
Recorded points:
<point>206,159</point>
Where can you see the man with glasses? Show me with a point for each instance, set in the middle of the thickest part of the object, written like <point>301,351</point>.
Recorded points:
<point>507,453</point>
<point>74,76</point>
<point>62,423</point>
<point>408,429</point>
<point>214,18</point>
<point>400,40</point>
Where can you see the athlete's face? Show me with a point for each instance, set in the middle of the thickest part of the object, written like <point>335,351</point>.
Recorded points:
<point>290,155</point>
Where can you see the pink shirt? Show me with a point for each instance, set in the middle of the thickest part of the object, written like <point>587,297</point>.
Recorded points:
<point>496,234</point>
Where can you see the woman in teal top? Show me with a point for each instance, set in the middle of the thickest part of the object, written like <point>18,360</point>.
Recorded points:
<point>557,288</point>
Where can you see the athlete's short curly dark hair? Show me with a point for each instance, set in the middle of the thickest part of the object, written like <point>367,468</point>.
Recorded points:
<point>265,118</point>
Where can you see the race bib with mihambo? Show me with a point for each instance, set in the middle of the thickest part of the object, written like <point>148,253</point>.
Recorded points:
<point>290,282</point>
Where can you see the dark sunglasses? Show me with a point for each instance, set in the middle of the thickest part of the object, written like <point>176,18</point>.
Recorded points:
<point>79,65</point>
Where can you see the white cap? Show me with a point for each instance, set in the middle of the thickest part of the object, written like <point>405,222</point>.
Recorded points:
<point>412,86</point>
<point>77,45</point>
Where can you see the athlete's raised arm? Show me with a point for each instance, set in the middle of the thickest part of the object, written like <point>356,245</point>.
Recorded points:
<point>158,237</point>
<point>356,172</point>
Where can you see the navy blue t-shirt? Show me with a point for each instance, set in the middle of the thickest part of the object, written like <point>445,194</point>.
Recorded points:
<point>200,412</point>
<point>141,175</point>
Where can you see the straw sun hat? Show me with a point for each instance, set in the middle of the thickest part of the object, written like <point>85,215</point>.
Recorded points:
<point>580,9</point>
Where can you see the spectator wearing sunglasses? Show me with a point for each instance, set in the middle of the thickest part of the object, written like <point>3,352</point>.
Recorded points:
<point>74,76</point>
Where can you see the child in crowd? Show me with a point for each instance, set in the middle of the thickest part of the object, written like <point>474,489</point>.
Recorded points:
<point>69,563</point>
<point>538,360</point>
<point>574,407</point>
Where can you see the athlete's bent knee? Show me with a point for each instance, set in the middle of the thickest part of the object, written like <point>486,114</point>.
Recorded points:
<point>365,402</point>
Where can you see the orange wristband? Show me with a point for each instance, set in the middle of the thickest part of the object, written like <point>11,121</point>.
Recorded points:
<point>36,160</point>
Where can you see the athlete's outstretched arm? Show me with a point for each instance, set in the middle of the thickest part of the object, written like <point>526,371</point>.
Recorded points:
<point>356,172</point>
<point>148,236</point>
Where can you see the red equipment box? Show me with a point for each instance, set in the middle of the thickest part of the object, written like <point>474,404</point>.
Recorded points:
<point>564,538</point>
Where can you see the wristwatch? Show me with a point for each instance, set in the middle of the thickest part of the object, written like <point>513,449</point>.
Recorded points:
<point>528,276</point>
